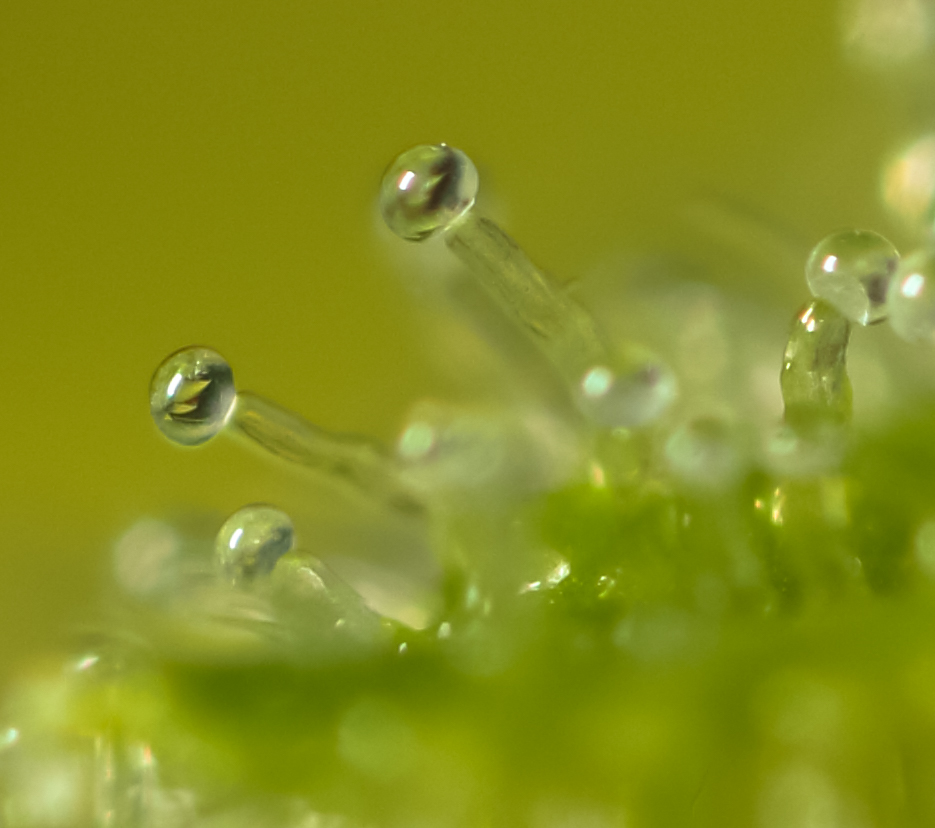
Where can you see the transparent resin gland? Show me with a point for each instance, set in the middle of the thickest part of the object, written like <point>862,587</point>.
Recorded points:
<point>634,391</point>
<point>345,460</point>
<point>327,617</point>
<point>426,189</point>
<point>252,540</point>
<point>192,395</point>
<point>450,453</point>
<point>814,381</point>
<point>852,270</point>
<point>912,297</point>
<point>561,328</point>
<point>414,192</point>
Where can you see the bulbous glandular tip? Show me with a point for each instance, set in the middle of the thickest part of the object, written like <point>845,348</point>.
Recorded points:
<point>252,540</point>
<point>851,270</point>
<point>192,395</point>
<point>912,297</point>
<point>426,190</point>
<point>636,391</point>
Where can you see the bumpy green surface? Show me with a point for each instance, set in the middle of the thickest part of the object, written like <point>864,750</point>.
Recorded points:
<point>759,656</point>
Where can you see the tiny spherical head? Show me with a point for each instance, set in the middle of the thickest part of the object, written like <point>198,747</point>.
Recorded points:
<point>852,270</point>
<point>251,542</point>
<point>911,298</point>
<point>192,395</point>
<point>427,189</point>
<point>636,391</point>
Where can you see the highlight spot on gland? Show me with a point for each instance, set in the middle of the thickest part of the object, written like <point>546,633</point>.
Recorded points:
<point>192,395</point>
<point>852,271</point>
<point>431,190</point>
<point>427,189</point>
<point>193,398</point>
<point>251,542</point>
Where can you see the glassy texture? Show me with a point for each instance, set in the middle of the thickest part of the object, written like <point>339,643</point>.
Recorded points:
<point>633,391</point>
<point>851,270</point>
<point>251,542</point>
<point>426,189</point>
<point>556,323</point>
<point>610,612</point>
<point>625,395</point>
<point>325,619</point>
<point>346,460</point>
<point>912,297</point>
<point>814,381</point>
<point>452,454</point>
<point>191,395</point>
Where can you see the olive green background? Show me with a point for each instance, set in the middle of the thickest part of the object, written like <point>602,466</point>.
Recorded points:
<point>205,172</point>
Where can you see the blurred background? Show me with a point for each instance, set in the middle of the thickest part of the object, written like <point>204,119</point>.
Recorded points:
<point>205,172</point>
